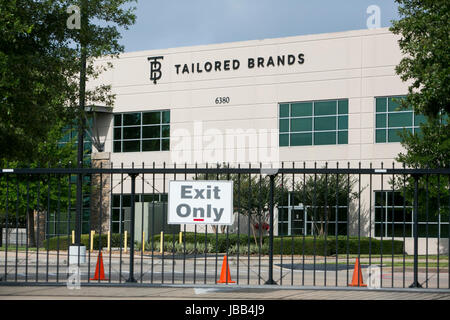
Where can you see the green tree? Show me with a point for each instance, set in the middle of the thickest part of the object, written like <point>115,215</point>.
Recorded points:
<point>40,65</point>
<point>424,41</point>
<point>424,30</point>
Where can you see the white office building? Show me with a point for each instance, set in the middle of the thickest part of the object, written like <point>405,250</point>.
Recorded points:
<point>322,98</point>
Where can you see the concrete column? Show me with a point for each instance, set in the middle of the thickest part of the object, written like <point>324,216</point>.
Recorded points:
<point>100,193</point>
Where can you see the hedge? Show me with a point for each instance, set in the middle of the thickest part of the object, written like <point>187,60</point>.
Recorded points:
<point>190,237</point>
<point>308,246</point>
<point>64,240</point>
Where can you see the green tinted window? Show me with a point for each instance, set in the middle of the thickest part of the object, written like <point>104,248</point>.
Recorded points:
<point>131,146</point>
<point>342,122</point>
<point>301,109</point>
<point>131,119</point>
<point>313,122</point>
<point>381,104</point>
<point>380,135</point>
<point>343,106</point>
<point>301,139</point>
<point>284,110</point>
<point>117,120</point>
<point>284,140</point>
<point>325,108</point>
<point>325,123</point>
<point>321,138</point>
<point>302,124</point>
<point>284,125</point>
<point>142,131</point>
<point>132,132</point>
<point>152,118</point>
<point>151,132</point>
<point>391,119</point>
<point>342,137</point>
<point>400,119</point>
<point>381,120</point>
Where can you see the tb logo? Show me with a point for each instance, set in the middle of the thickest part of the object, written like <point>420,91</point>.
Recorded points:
<point>155,68</point>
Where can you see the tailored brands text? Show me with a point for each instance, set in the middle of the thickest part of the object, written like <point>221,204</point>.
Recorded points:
<point>223,65</point>
<point>234,64</point>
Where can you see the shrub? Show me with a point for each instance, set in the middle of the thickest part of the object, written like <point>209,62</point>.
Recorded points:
<point>321,247</point>
<point>63,241</point>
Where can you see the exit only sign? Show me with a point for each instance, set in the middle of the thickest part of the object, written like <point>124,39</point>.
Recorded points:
<point>200,202</point>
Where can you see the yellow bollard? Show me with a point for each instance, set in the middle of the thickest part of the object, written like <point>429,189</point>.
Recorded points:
<point>109,241</point>
<point>73,236</point>
<point>143,241</point>
<point>92,240</point>
<point>161,242</point>
<point>181,237</point>
<point>125,245</point>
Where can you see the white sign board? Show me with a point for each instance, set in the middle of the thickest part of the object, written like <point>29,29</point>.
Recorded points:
<point>200,202</point>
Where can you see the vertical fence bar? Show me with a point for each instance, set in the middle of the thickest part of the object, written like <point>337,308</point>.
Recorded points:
<point>259,223</point>
<point>173,238</point>
<point>314,223</point>
<point>281,236</point>
<point>250,210</point>
<point>131,278</point>
<point>153,224</point>
<point>271,205</point>
<point>100,223</point>
<point>383,217</point>
<point>439,226</point>
<point>184,238</point>
<point>217,235</point>
<point>206,238</point>
<point>416,283</point>
<point>404,225</point>
<point>69,208</point>
<point>6,227</point>
<point>37,235</point>
<point>326,225</point>
<point>58,218</point>
<point>292,234</point>
<point>336,229</point>
<point>121,222</point>
<point>239,224</point>
<point>110,223</point>
<point>27,227</point>
<point>142,224</point>
<point>47,226</point>
<point>305,215</point>
<point>370,215</point>
<point>392,227</point>
<point>348,216</point>
<point>426,230</point>
<point>17,228</point>
<point>163,224</point>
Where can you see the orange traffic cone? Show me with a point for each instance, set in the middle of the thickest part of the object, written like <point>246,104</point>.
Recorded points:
<point>99,270</point>
<point>225,276</point>
<point>357,275</point>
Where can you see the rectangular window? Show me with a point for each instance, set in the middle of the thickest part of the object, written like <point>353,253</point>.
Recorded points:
<point>394,217</point>
<point>390,120</point>
<point>313,123</point>
<point>142,131</point>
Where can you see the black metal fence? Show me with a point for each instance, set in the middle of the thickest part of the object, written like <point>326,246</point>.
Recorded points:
<point>293,226</point>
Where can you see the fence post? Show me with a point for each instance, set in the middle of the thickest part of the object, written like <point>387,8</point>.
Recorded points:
<point>133,192</point>
<point>416,283</point>
<point>271,173</point>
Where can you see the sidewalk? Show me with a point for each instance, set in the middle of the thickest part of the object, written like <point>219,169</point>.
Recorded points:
<point>208,293</point>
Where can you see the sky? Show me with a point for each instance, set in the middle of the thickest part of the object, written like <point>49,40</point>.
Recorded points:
<point>163,24</point>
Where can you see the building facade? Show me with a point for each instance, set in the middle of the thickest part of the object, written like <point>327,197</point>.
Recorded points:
<point>311,100</point>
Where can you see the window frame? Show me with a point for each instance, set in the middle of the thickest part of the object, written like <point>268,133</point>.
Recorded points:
<point>313,118</point>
